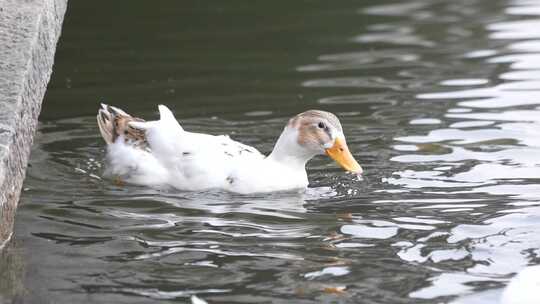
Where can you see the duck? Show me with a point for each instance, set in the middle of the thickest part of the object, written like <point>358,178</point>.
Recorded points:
<point>161,153</point>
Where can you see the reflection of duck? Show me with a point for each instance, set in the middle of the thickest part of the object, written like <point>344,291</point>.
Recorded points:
<point>524,288</point>
<point>161,153</point>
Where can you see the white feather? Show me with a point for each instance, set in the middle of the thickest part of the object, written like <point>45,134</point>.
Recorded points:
<point>524,288</point>
<point>134,165</point>
<point>197,300</point>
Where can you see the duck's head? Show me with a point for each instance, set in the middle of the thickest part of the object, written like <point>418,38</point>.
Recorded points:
<point>317,132</point>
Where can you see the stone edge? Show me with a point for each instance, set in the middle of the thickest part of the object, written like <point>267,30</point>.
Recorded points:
<point>26,111</point>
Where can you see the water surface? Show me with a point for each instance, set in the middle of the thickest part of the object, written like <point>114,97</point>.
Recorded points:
<point>440,104</point>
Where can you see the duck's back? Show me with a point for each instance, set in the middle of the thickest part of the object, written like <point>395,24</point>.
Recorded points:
<point>201,161</point>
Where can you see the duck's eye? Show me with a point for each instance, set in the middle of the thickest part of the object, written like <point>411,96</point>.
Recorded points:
<point>321,125</point>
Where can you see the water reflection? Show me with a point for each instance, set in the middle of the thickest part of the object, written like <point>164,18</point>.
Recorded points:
<point>439,100</point>
<point>492,149</point>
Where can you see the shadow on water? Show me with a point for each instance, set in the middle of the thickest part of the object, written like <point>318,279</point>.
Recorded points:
<point>439,101</point>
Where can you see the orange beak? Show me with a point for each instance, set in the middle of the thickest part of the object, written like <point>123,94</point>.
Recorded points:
<point>341,154</point>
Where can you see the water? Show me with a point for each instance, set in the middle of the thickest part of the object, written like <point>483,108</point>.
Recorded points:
<point>439,101</point>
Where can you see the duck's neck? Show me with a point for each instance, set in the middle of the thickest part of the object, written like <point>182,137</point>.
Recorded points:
<point>288,152</point>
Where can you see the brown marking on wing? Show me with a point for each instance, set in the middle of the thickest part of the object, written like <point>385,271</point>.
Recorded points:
<point>130,134</point>
<point>115,123</point>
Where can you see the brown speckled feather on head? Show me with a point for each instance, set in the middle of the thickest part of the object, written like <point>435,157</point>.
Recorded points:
<point>114,123</point>
<point>311,116</point>
<point>307,124</point>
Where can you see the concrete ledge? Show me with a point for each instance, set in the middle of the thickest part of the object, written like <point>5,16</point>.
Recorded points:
<point>29,31</point>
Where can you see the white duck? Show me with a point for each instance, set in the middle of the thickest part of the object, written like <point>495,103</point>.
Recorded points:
<point>162,153</point>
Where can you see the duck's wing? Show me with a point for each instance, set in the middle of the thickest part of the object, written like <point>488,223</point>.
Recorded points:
<point>194,160</point>
<point>167,138</point>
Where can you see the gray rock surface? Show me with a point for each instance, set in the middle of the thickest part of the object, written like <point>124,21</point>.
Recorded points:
<point>29,31</point>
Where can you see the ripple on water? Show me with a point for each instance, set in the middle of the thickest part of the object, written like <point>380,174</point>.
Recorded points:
<point>363,61</point>
<point>446,126</point>
<point>464,82</point>
<point>493,153</point>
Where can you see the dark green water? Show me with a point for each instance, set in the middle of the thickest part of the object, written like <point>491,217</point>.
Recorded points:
<point>440,104</point>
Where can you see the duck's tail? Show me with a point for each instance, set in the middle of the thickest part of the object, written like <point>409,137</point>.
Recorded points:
<point>114,123</point>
